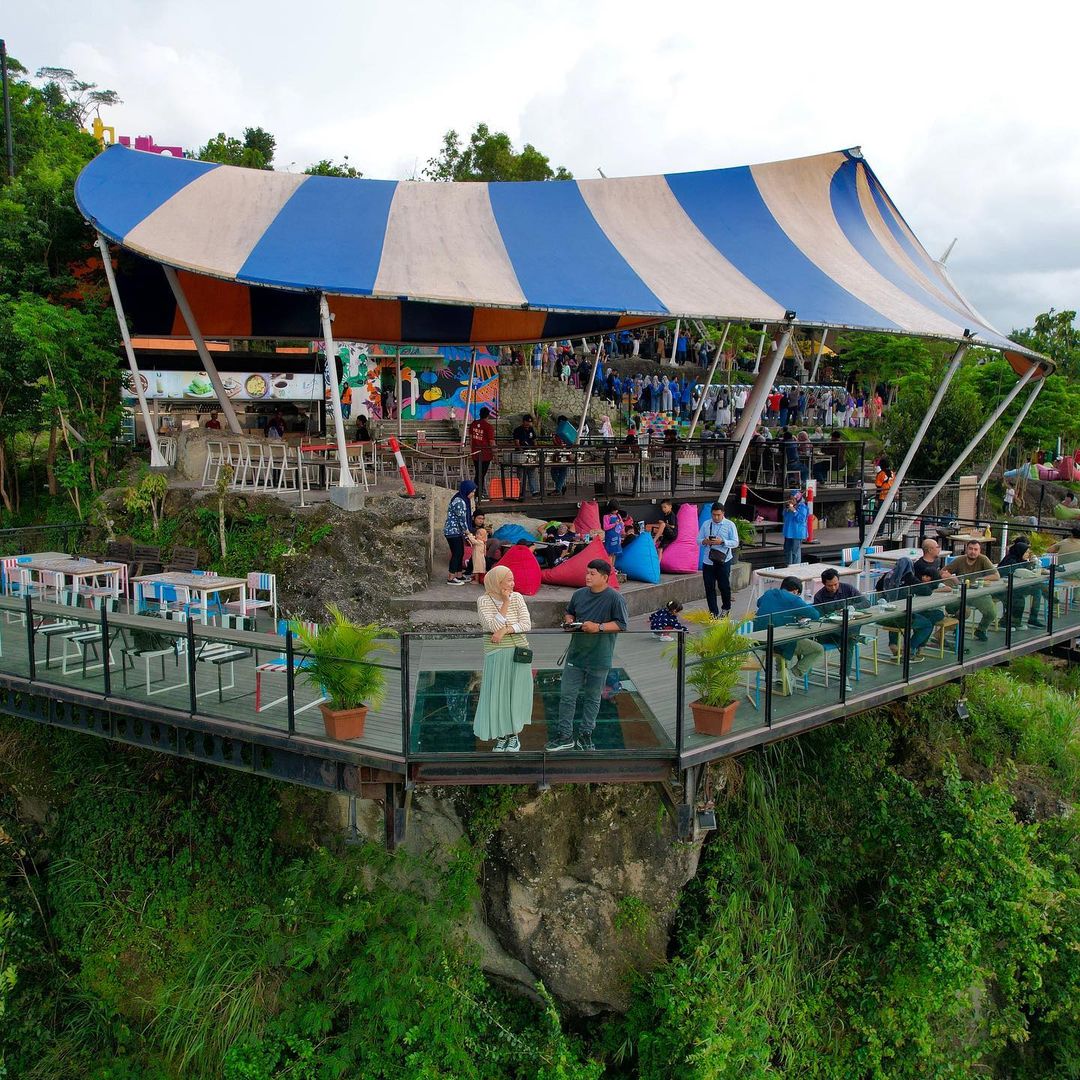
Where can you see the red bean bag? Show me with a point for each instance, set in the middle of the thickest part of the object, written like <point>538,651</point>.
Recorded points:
<point>682,555</point>
<point>522,562</point>
<point>588,518</point>
<point>572,572</point>
<point>1066,469</point>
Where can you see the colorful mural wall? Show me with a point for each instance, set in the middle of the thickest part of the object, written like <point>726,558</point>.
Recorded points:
<point>434,381</point>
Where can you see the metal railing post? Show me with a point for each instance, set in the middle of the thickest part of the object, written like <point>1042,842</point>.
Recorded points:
<point>768,674</point>
<point>290,681</point>
<point>845,633</point>
<point>961,624</point>
<point>680,689</point>
<point>193,699</point>
<point>405,718</point>
<point>1050,600</point>
<point>907,637</point>
<point>106,672</point>
<point>29,617</point>
<point>1009,612</point>
<point>674,468</point>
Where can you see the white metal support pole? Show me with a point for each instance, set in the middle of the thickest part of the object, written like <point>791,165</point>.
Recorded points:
<point>752,411</point>
<point>345,479</point>
<point>156,460</point>
<point>761,347</point>
<point>588,392</point>
<point>759,391</point>
<point>977,438</point>
<point>468,399</point>
<point>708,381</point>
<point>397,377</point>
<point>673,360</point>
<point>898,479</point>
<point>200,347</point>
<point>1024,409</point>
<point>817,359</point>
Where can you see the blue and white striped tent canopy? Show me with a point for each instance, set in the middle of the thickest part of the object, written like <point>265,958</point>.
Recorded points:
<point>500,262</point>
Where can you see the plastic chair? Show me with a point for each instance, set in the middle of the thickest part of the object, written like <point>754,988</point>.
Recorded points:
<point>280,665</point>
<point>256,583</point>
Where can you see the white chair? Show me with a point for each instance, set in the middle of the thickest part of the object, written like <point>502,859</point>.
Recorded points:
<point>86,640</point>
<point>215,458</point>
<point>176,649</point>
<point>281,472</point>
<point>167,449</point>
<point>261,593</point>
<point>59,627</point>
<point>280,665</point>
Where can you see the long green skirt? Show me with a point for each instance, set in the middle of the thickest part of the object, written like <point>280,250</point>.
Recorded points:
<point>506,694</point>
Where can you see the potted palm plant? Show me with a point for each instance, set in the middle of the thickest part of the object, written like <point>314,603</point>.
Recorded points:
<point>715,659</point>
<point>337,661</point>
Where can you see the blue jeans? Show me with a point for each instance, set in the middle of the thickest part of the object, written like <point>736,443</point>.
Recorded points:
<point>574,680</point>
<point>792,550</point>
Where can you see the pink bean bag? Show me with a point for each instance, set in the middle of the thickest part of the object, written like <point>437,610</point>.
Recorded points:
<point>682,555</point>
<point>572,572</point>
<point>525,567</point>
<point>1066,469</point>
<point>588,519</point>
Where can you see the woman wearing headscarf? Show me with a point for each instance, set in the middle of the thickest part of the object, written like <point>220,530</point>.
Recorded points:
<point>458,528</point>
<point>1021,564</point>
<point>895,587</point>
<point>606,430</point>
<point>506,686</point>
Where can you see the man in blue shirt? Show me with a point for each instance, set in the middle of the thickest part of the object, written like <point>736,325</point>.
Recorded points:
<point>796,513</point>
<point>782,607</point>
<point>719,537</point>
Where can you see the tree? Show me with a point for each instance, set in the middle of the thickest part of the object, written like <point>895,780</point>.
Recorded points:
<point>326,167</point>
<point>255,151</point>
<point>1056,335</point>
<point>71,98</point>
<point>490,155</point>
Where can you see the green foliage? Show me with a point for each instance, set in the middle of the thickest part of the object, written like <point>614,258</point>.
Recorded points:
<point>490,155</point>
<point>254,151</point>
<point>148,496</point>
<point>337,660</point>
<point>1056,335</point>
<point>714,658</point>
<point>326,167</point>
<point>74,98</point>
<point>632,915</point>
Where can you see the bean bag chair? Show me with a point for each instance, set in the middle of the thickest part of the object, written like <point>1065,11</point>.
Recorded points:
<point>639,560</point>
<point>1065,469</point>
<point>526,570</point>
<point>572,572</point>
<point>511,534</point>
<point>588,518</point>
<point>1066,513</point>
<point>682,555</point>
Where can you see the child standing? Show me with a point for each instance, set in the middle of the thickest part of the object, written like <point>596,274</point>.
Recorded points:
<point>479,539</point>
<point>613,529</point>
<point>665,619</point>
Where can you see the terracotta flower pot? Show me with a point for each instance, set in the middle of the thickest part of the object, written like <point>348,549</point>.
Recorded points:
<point>344,724</point>
<point>713,719</point>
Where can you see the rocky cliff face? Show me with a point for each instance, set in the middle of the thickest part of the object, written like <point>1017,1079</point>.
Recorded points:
<point>579,889</point>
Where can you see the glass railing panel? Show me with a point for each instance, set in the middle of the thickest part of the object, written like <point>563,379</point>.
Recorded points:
<point>615,691</point>
<point>14,645</point>
<point>374,682</point>
<point>1067,590</point>
<point>984,623</point>
<point>150,660</point>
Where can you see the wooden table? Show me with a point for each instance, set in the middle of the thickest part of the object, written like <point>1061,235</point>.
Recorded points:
<point>963,539</point>
<point>77,570</point>
<point>201,585</point>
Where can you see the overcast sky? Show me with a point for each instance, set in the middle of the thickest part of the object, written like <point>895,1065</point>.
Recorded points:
<point>968,113</point>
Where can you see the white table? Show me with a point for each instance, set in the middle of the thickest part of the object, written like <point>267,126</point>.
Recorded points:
<point>197,585</point>
<point>807,574</point>
<point>79,571</point>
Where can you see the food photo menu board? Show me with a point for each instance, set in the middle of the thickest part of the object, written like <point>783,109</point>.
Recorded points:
<point>240,386</point>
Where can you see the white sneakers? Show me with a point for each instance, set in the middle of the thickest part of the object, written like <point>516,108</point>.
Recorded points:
<point>509,744</point>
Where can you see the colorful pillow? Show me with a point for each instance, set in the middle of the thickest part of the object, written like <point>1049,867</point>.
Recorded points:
<point>588,518</point>
<point>639,560</point>
<point>682,555</point>
<point>572,572</point>
<point>512,533</point>
<point>526,570</point>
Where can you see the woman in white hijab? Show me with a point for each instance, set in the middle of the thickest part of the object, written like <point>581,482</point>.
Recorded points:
<point>506,687</point>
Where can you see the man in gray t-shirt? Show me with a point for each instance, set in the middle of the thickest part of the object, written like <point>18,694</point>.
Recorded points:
<point>602,614</point>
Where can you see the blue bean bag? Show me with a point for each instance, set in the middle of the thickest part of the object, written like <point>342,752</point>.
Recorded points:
<point>511,534</point>
<point>639,560</point>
